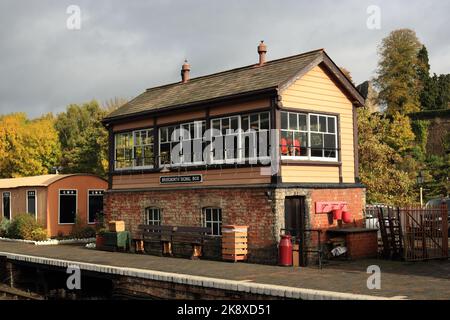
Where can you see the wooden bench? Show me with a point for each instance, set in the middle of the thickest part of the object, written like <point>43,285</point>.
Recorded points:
<point>169,235</point>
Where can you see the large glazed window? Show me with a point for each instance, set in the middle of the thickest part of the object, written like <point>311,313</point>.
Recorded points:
<point>6,201</point>
<point>95,205</point>
<point>134,149</point>
<point>67,206</point>
<point>308,136</point>
<point>182,144</point>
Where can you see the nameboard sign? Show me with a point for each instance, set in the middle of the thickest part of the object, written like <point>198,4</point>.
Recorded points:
<point>193,178</point>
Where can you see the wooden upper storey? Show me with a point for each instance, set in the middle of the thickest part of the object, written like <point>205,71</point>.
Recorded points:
<point>312,112</point>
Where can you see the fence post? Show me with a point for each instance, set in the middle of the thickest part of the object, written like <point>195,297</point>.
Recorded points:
<point>444,215</point>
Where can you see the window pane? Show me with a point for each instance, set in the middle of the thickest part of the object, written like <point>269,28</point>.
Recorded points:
<point>216,124</point>
<point>163,133</point>
<point>264,121</point>
<point>31,203</point>
<point>235,123</point>
<point>165,153</point>
<point>313,123</point>
<point>331,126</point>
<point>254,122</point>
<point>330,145</point>
<point>316,144</point>
<point>302,122</point>
<point>245,123</point>
<point>225,125</point>
<point>67,206</point>
<point>95,207</point>
<point>322,124</point>
<point>7,205</point>
<point>301,143</point>
<point>293,124</point>
<point>284,121</point>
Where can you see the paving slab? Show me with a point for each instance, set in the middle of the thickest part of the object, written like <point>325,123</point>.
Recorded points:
<point>419,280</point>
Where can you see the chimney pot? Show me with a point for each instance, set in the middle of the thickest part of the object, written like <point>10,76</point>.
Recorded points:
<point>185,69</point>
<point>262,50</point>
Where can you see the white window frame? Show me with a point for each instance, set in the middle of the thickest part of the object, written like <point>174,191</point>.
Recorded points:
<point>219,223</point>
<point>133,156</point>
<point>150,220</point>
<point>308,157</point>
<point>88,202</point>
<point>35,202</point>
<point>10,205</point>
<point>59,207</point>
<point>197,135</point>
<point>240,138</point>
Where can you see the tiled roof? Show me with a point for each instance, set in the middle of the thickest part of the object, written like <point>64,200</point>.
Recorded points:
<point>233,82</point>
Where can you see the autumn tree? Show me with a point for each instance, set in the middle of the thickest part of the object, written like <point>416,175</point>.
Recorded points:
<point>397,74</point>
<point>84,140</point>
<point>27,147</point>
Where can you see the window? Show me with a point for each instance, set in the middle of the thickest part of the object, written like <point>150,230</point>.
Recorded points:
<point>31,202</point>
<point>95,205</point>
<point>153,216</point>
<point>212,218</point>
<point>67,206</point>
<point>134,149</point>
<point>6,197</point>
<point>242,137</point>
<point>182,144</point>
<point>308,136</point>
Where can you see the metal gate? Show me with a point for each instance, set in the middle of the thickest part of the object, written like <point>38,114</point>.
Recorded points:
<point>425,233</point>
<point>411,233</point>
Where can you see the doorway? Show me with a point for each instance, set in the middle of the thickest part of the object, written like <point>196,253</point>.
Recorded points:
<point>294,222</point>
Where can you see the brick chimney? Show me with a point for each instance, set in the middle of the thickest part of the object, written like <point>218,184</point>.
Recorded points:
<point>185,69</point>
<point>262,49</point>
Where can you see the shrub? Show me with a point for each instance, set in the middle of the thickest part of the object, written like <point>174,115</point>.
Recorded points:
<point>24,226</point>
<point>4,227</point>
<point>80,230</point>
<point>39,234</point>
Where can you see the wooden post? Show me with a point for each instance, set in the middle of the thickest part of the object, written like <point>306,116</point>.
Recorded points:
<point>444,215</point>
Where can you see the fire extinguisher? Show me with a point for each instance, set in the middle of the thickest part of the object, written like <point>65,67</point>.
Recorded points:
<point>285,250</point>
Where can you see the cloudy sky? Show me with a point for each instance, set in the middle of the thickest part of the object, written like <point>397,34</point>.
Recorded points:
<point>124,47</point>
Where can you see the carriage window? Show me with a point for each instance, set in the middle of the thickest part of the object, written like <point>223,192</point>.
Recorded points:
<point>67,206</point>
<point>31,202</point>
<point>95,205</point>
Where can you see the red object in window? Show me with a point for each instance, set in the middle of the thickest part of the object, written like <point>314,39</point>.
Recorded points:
<point>346,217</point>
<point>337,214</point>
<point>297,147</point>
<point>284,148</point>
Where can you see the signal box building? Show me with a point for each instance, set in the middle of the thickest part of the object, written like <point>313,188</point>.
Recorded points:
<point>288,157</point>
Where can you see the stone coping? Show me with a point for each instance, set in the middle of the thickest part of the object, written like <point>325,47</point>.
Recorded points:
<point>207,282</point>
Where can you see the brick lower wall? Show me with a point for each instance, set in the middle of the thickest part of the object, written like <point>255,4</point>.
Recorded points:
<point>362,245</point>
<point>249,207</point>
<point>257,208</point>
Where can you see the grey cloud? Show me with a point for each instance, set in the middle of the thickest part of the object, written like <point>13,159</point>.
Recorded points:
<point>127,46</point>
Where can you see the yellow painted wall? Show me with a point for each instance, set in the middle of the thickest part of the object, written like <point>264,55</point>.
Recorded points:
<point>317,91</point>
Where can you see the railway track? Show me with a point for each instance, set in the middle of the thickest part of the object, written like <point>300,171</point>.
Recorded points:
<point>8,293</point>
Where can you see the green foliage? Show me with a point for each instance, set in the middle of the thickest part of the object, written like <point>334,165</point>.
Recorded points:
<point>80,230</point>
<point>83,139</point>
<point>24,226</point>
<point>386,166</point>
<point>4,227</point>
<point>397,74</point>
<point>420,129</point>
<point>27,147</point>
<point>39,234</point>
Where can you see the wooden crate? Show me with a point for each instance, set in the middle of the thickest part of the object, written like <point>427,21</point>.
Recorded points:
<point>234,243</point>
<point>116,226</point>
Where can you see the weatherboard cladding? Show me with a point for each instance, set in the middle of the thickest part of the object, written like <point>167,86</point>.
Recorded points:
<point>233,82</point>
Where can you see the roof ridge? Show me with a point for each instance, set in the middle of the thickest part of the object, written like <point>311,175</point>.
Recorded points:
<point>270,62</point>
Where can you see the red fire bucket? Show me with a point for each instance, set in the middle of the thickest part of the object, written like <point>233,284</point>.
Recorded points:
<point>337,214</point>
<point>346,217</point>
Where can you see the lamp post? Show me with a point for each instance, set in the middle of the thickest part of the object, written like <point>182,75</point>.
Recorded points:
<point>420,180</point>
